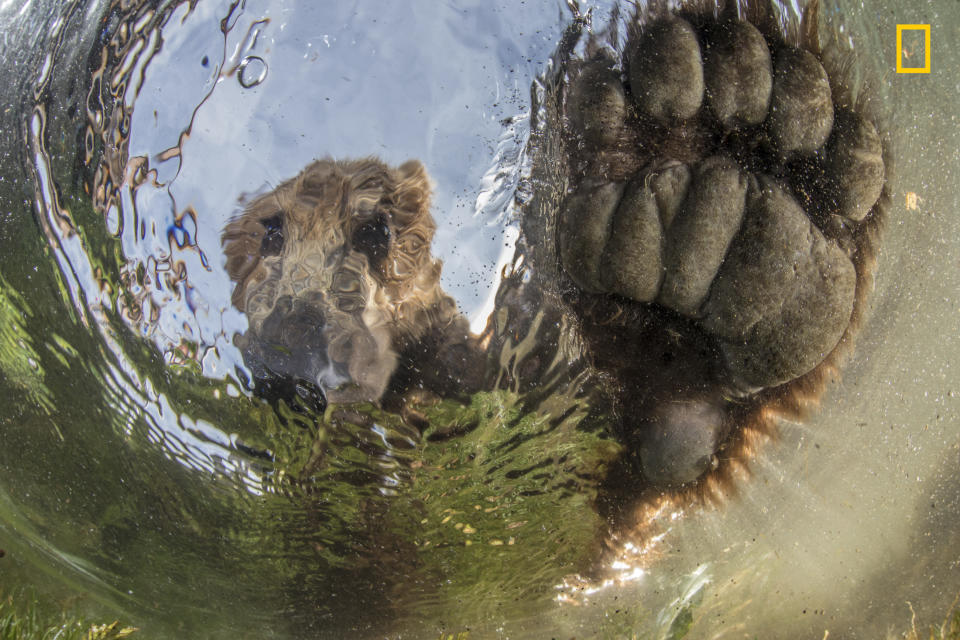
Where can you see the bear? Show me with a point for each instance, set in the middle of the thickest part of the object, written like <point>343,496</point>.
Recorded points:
<point>335,274</point>
<point>707,226</point>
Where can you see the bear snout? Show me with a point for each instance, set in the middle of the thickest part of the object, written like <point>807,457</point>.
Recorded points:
<point>296,324</point>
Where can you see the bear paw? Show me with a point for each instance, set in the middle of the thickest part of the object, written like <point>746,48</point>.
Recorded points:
<point>719,183</point>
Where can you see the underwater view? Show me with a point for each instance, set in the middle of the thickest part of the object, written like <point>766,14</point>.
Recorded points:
<point>549,319</point>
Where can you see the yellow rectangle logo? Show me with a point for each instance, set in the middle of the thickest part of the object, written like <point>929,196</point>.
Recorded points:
<point>906,54</point>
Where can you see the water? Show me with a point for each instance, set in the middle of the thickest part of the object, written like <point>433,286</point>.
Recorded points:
<point>133,462</point>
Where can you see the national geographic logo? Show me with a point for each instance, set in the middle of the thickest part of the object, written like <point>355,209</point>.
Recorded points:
<point>909,53</point>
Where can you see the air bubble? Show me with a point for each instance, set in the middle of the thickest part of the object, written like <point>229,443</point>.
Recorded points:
<point>253,71</point>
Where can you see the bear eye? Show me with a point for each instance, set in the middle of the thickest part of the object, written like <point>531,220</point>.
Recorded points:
<point>272,243</point>
<point>372,238</point>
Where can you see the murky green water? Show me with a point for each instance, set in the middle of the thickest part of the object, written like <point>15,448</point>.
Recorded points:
<point>134,465</point>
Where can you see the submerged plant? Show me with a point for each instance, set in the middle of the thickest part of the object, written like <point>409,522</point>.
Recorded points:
<point>949,629</point>
<point>23,618</point>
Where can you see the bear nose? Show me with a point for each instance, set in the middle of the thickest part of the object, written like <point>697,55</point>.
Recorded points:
<point>294,323</point>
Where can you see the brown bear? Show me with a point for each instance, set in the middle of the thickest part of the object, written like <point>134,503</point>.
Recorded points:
<point>705,221</point>
<point>334,272</point>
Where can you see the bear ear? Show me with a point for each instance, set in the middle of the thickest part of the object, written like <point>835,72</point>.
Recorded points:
<point>413,187</point>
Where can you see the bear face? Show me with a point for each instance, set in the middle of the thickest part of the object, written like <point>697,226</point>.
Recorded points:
<point>334,272</point>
